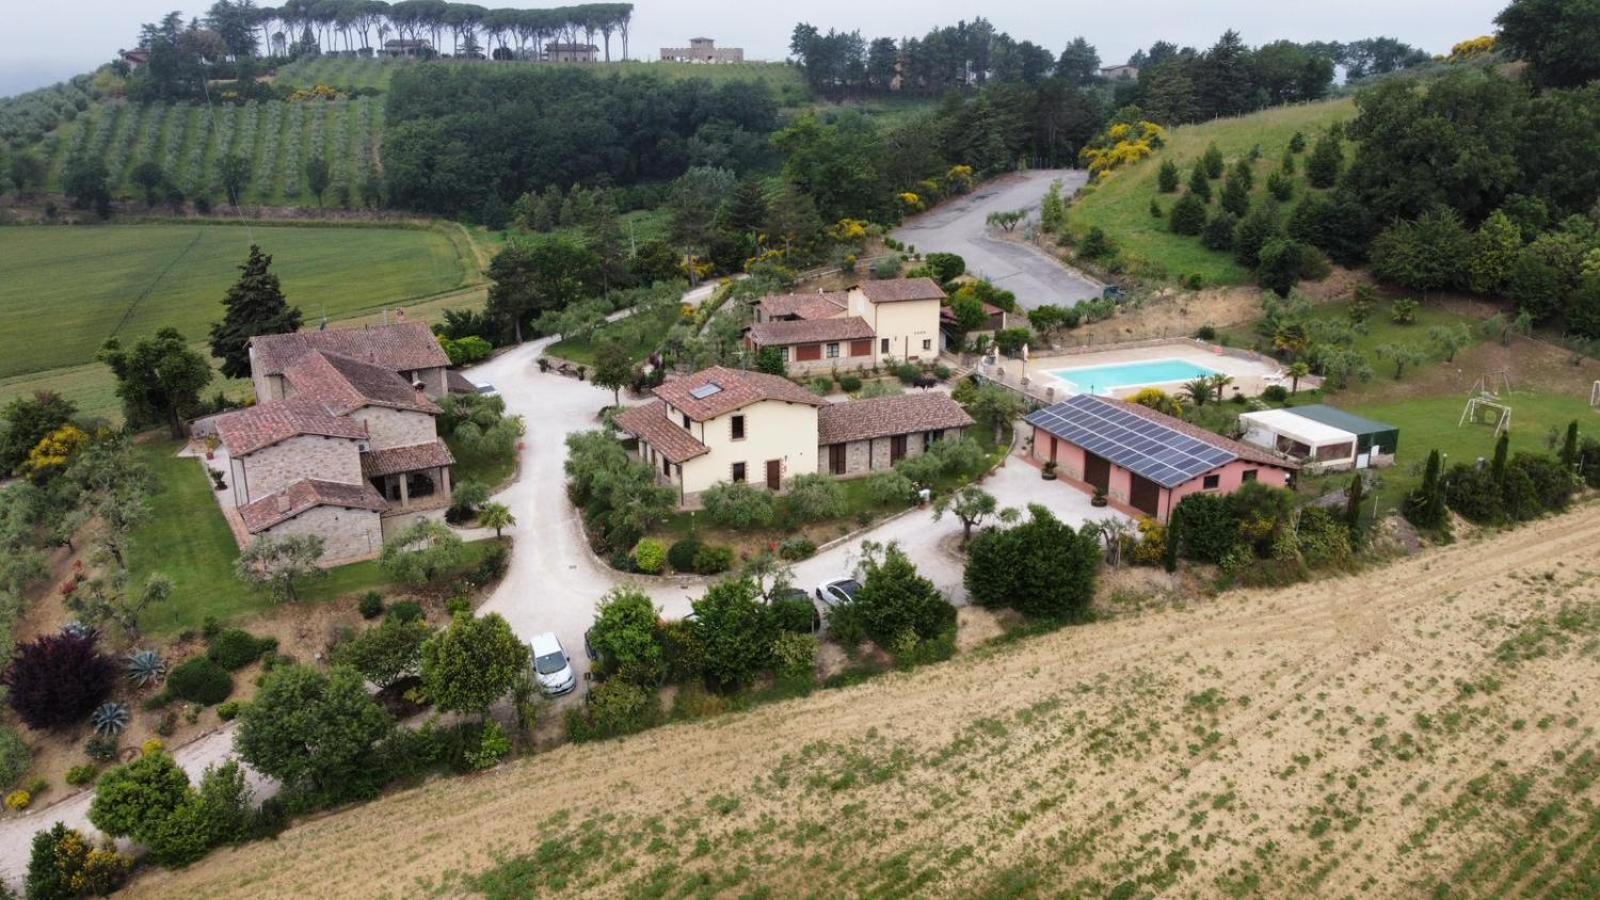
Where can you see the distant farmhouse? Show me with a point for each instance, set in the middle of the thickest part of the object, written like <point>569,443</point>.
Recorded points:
<point>397,47</point>
<point>894,319</point>
<point>1120,73</point>
<point>729,425</point>
<point>342,441</point>
<point>569,53</point>
<point>702,50</point>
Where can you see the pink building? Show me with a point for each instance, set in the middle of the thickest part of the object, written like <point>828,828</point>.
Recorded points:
<point>1144,462</point>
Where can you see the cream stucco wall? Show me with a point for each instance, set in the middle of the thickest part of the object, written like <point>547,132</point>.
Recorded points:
<point>395,427</point>
<point>905,324</point>
<point>773,430</point>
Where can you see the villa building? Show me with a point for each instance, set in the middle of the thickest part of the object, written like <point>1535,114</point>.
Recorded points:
<point>729,425</point>
<point>894,319</point>
<point>1142,461</point>
<point>567,53</point>
<point>702,50</point>
<point>342,441</point>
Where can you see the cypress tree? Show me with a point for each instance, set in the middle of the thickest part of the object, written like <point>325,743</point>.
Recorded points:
<point>1169,561</point>
<point>254,305</point>
<point>1569,447</point>
<point>1497,468</point>
<point>1352,506</point>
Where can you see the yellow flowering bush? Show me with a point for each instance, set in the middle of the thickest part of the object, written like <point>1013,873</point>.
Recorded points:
<point>54,451</point>
<point>958,179</point>
<point>1121,145</point>
<point>848,230</point>
<point>1472,48</point>
<point>17,801</point>
<point>317,92</point>
<point>911,202</point>
<point>151,747</point>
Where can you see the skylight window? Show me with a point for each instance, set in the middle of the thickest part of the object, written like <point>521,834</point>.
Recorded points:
<point>709,389</point>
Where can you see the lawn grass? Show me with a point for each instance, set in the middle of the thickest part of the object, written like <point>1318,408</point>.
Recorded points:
<point>1379,329</point>
<point>1120,203</point>
<point>65,290</point>
<point>187,539</point>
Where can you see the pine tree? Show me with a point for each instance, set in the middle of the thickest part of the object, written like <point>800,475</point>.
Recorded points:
<point>746,210</point>
<point>1213,162</point>
<point>1167,177</point>
<point>1236,196</point>
<point>254,305</point>
<point>1322,170</point>
<point>1199,185</point>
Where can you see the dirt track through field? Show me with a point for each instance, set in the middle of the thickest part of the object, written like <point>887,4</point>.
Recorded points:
<point>1423,725</point>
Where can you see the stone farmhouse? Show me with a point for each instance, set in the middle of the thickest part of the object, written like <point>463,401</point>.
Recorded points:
<point>873,322</point>
<point>724,424</point>
<point>342,441</point>
<point>569,53</point>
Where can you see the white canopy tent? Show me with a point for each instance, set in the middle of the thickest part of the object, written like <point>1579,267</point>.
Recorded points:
<point>1313,444</point>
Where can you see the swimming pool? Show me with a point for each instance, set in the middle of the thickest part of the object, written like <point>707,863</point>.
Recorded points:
<point>1102,380</point>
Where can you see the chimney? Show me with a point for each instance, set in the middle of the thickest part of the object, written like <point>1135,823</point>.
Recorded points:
<point>400,317</point>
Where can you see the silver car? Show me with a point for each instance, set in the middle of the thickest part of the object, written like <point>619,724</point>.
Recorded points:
<point>550,666</point>
<point>838,590</point>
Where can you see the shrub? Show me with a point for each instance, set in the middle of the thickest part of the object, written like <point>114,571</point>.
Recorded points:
<point>371,605</point>
<point>405,611</point>
<point>200,680</point>
<point>1188,215</point>
<point>615,708</point>
<point>236,648</point>
<point>796,549</point>
<point>1219,230</point>
<point>134,800</point>
<point>650,556</point>
<point>78,776</point>
<point>146,667</point>
<point>493,746</point>
<point>794,657</point>
<point>682,553</point>
<point>713,560</point>
<point>1275,393</point>
<point>624,638</point>
<point>814,496</point>
<point>14,757</point>
<point>738,505</point>
<point>894,602</point>
<point>1472,493</point>
<point>681,648</point>
<point>229,711</point>
<point>822,387</point>
<point>797,615</point>
<point>946,266</point>
<point>849,383</point>
<point>1207,527</point>
<point>1096,245</point>
<point>888,267</point>
<point>102,748</point>
<point>17,801</point>
<point>1040,568</point>
<point>908,373</point>
<point>736,629</point>
<point>58,679</point>
<point>387,653</point>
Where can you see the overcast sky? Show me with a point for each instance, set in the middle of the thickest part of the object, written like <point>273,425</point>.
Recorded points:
<point>45,42</point>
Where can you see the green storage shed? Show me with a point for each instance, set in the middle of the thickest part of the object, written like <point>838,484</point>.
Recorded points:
<point>1370,435</point>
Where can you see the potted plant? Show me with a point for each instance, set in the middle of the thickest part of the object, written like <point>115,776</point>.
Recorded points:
<point>1099,498</point>
<point>1048,473</point>
<point>212,443</point>
<point>216,479</point>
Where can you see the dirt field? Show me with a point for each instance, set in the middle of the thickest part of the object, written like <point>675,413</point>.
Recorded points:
<point>1425,729</point>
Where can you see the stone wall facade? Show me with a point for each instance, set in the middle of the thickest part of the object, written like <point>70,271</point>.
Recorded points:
<point>864,457</point>
<point>349,534</point>
<point>274,468</point>
<point>396,427</point>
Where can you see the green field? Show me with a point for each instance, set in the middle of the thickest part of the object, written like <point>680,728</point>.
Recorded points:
<point>65,290</point>
<point>1120,203</point>
<point>786,81</point>
<point>187,539</point>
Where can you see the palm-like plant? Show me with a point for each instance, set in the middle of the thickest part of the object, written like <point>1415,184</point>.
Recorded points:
<point>80,630</point>
<point>1197,391</point>
<point>109,718</point>
<point>146,667</point>
<point>496,516</point>
<point>1297,371</point>
<point>1219,383</point>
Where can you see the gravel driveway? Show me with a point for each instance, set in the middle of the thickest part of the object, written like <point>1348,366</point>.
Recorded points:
<point>957,226</point>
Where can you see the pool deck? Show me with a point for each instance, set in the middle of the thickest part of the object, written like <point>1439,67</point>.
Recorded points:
<point>1251,372</point>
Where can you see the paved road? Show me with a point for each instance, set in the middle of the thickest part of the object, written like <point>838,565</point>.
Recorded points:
<point>957,226</point>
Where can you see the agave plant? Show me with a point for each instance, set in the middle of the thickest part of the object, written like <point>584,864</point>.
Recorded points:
<point>80,629</point>
<point>146,667</point>
<point>109,718</point>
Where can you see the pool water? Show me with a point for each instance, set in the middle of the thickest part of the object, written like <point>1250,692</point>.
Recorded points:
<point>1103,380</point>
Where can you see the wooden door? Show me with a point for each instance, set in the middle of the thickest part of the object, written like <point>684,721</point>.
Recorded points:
<point>897,448</point>
<point>1145,496</point>
<point>836,458</point>
<point>774,474</point>
<point>1097,471</point>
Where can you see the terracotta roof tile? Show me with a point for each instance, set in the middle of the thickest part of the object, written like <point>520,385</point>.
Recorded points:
<point>858,420</point>
<point>302,496</point>
<point>778,334</point>
<point>400,348</point>
<point>723,390</point>
<point>394,460</point>
<point>258,427</point>
<point>895,290</point>
<point>821,305</point>
<point>649,423</point>
<point>344,385</point>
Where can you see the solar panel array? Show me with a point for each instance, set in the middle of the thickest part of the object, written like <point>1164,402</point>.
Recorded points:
<point>1162,454</point>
